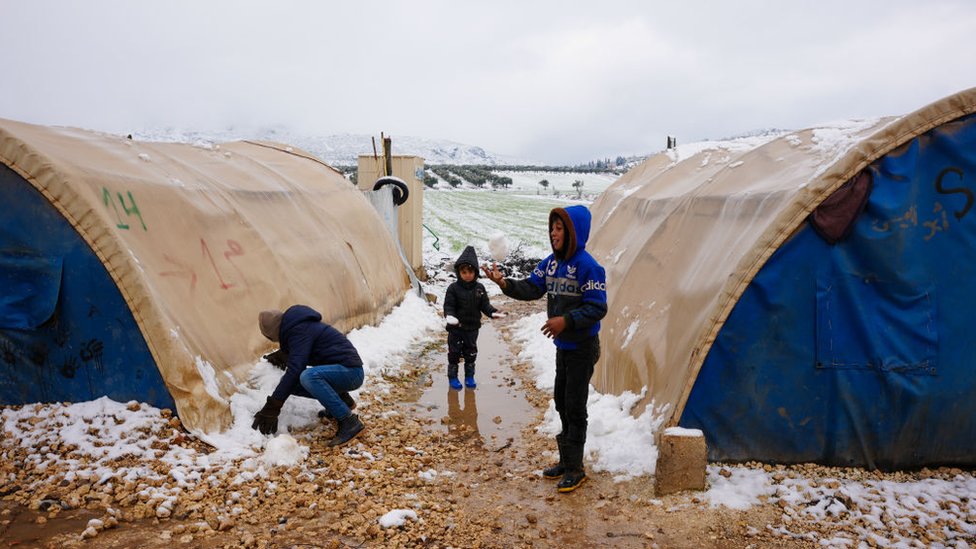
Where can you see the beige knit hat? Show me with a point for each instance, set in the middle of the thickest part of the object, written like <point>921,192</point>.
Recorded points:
<point>270,324</point>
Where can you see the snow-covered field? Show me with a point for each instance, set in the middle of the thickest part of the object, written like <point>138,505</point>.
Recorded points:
<point>887,512</point>
<point>559,182</point>
<point>455,219</point>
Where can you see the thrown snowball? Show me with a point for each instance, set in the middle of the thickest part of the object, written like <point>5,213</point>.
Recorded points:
<point>498,246</point>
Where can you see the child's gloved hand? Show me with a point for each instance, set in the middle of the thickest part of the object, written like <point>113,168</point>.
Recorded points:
<point>266,420</point>
<point>278,359</point>
<point>451,320</point>
<point>498,314</point>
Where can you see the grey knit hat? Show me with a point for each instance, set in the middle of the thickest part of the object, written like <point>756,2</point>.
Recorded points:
<point>270,323</point>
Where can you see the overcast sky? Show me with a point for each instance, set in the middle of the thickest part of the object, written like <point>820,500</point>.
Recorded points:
<point>549,81</point>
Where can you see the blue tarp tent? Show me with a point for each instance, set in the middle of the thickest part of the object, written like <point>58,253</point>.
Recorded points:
<point>821,314</point>
<point>66,333</point>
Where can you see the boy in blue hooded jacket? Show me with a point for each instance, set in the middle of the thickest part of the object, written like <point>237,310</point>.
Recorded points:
<point>576,299</point>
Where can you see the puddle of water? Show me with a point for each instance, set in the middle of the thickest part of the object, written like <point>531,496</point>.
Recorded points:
<point>19,527</point>
<point>495,410</point>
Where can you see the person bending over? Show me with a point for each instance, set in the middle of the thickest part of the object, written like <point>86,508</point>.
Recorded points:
<point>319,362</point>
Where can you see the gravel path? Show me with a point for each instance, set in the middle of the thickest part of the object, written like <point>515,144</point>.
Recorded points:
<point>419,478</point>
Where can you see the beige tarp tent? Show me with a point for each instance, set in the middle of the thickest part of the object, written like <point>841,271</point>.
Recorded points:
<point>683,234</point>
<point>199,239</point>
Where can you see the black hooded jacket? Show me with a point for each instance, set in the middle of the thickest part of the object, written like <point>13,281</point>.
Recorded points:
<point>466,301</point>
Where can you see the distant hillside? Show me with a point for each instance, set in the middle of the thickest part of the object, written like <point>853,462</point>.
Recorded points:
<point>341,150</point>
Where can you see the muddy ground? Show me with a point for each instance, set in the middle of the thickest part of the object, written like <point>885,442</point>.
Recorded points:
<point>468,463</point>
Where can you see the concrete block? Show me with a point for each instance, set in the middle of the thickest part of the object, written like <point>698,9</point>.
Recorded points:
<point>682,456</point>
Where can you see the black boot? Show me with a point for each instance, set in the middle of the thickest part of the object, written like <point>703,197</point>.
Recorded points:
<point>574,474</point>
<point>349,427</point>
<point>557,470</point>
<point>347,398</point>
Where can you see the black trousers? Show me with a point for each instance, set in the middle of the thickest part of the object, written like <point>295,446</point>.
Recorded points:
<point>574,368</point>
<point>461,343</point>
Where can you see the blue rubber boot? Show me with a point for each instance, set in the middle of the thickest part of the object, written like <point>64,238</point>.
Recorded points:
<point>469,382</point>
<point>455,384</point>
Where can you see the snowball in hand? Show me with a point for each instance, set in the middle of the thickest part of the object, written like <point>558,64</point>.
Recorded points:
<point>498,246</point>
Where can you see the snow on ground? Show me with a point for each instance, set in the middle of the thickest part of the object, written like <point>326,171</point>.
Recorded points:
<point>397,517</point>
<point>140,437</point>
<point>382,348</point>
<point>936,512</point>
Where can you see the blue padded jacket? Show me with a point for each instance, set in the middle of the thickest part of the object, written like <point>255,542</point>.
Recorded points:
<point>309,341</point>
<point>574,283</point>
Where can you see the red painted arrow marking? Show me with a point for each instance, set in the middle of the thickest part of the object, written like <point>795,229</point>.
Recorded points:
<point>184,271</point>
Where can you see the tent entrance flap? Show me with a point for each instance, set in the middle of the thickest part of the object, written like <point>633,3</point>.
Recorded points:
<point>31,285</point>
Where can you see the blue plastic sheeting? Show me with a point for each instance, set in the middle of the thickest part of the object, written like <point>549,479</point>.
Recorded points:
<point>861,353</point>
<point>66,335</point>
<point>30,289</point>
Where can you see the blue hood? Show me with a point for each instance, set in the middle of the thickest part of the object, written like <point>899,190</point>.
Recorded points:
<point>576,219</point>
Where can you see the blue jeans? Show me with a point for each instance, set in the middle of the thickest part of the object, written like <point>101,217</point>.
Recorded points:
<point>324,383</point>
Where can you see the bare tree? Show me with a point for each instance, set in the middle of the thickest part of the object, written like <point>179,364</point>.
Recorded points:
<point>578,185</point>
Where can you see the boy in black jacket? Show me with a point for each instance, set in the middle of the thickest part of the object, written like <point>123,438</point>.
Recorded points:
<point>465,301</point>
